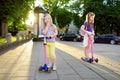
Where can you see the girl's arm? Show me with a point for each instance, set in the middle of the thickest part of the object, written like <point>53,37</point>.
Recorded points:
<point>55,32</point>
<point>90,33</point>
<point>93,33</point>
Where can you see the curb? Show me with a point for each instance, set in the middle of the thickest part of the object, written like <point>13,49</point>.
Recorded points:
<point>7,46</point>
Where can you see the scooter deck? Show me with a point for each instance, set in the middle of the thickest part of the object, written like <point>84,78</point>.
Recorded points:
<point>84,59</point>
<point>44,68</point>
<point>91,60</point>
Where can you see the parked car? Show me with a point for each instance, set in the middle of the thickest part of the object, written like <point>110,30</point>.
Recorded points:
<point>71,37</point>
<point>107,38</point>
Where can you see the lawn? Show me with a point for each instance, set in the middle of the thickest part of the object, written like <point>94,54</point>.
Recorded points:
<point>3,39</point>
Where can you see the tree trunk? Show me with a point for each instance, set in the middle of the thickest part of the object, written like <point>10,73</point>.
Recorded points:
<point>3,28</point>
<point>0,27</point>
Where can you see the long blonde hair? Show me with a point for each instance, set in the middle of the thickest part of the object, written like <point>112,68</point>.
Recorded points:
<point>88,17</point>
<point>51,21</point>
<point>89,20</point>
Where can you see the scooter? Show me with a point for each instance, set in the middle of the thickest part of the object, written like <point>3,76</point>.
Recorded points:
<point>45,67</point>
<point>92,53</point>
<point>91,60</point>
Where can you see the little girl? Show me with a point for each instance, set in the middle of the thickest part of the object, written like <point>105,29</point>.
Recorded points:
<point>89,34</point>
<point>50,31</point>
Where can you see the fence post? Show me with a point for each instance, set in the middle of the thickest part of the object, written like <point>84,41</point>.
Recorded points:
<point>8,37</point>
<point>17,37</point>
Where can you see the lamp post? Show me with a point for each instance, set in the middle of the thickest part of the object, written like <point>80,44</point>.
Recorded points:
<point>37,10</point>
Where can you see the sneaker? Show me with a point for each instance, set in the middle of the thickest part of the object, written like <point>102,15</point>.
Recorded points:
<point>54,68</point>
<point>87,58</point>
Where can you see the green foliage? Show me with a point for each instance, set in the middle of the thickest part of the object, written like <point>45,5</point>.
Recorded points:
<point>64,17</point>
<point>52,5</point>
<point>77,20</point>
<point>107,19</point>
<point>15,12</point>
<point>57,9</point>
<point>2,40</point>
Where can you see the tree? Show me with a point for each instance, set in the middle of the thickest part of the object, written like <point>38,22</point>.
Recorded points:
<point>58,11</point>
<point>107,19</point>
<point>77,9</point>
<point>14,11</point>
<point>64,17</point>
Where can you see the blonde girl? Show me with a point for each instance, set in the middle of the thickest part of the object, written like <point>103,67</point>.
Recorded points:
<point>50,31</point>
<point>89,34</point>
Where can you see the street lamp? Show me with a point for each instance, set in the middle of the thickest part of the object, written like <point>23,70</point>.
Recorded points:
<point>37,10</point>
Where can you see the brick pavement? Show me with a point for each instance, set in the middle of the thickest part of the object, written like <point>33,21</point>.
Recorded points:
<point>22,63</point>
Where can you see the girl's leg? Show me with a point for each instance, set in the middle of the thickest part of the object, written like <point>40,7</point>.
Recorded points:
<point>87,49</point>
<point>53,56</point>
<point>54,62</point>
<point>48,55</point>
<point>92,49</point>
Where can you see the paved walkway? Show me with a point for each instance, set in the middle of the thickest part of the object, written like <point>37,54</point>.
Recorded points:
<point>22,63</point>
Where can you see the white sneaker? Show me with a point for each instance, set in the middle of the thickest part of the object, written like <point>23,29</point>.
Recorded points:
<point>54,68</point>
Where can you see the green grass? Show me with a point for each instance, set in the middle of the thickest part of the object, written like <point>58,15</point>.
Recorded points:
<point>13,38</point>
<point>3,39</point>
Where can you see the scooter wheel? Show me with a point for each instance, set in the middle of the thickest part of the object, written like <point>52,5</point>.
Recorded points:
<point>40,69</point>
<point>96,60</point>
<point>49,70</point>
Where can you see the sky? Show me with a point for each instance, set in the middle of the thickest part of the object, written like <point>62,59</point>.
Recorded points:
<point>30,20</point>
<point>38,2</point>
